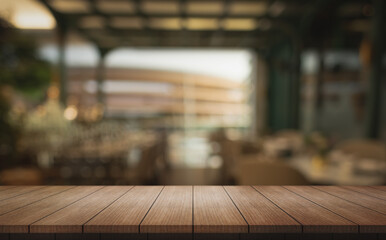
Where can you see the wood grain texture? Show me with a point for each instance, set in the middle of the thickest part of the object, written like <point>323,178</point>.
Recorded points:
<point>382,188</point>
<point>355,197</point>
<point>171,213</point>
<point>126,214</point>
<point>214,212</point>
<point>18,221</point>
<point>71,218</point>
<point>11,204</point>
<point>369,221</point>
<point>16,191</point>
<point>261,214</point>
<point>314,218</point>
<point>178,211</point>
<point>2,188</point>
<point>373,192</point>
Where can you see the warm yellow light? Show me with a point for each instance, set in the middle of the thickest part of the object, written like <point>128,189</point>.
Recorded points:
<point>70,113</point>
<point>126,22</point>
<point>160,7</point>
<point>165,23</point>
<point>202,23</point>
<point>26,20</point>
<point>26,14</point>
<point>204,7</point>
<point>245,8</point>
<point>240,24</point>
<point>53,92</point>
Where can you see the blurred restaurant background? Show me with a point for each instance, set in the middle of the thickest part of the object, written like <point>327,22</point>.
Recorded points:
<point>193,92</point>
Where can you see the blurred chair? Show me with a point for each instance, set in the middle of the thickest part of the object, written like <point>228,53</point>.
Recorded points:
<point>363,149</point>
<point>145,171</point>
<point>229,152</point>
<point>253,172</point>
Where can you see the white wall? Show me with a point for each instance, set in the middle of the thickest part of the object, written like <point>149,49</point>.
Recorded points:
<point>234,65</point>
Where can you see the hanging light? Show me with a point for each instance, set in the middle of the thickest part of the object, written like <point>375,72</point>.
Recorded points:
<point>70,113</point>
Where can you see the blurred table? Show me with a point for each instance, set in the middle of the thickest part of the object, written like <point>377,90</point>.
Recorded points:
<point>333,174</point>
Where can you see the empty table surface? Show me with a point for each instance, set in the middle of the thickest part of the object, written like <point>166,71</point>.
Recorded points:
<point>192,209</point>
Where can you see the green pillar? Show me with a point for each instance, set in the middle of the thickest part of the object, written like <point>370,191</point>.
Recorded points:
<point>62,37</point>
<point>295,84</point>
<point>375,82</point>
<point>318,99</point>
<point>280,86</point>
<point>100,75</point>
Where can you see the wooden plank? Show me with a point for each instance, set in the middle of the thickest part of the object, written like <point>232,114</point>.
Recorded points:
<point>11,204</point>
<point>71,218</point>
<point>16,191</point>
<point>18,221</point>
<point>261,214</point>
<point>355,197</point>
<point>214,212</point>
<point>382,188</point>
<point>373,192</point>
<point>171,213</point>
<point>2,188</point>
<point>314,218</point>
<point>126,214</point>
<point>368,220</point>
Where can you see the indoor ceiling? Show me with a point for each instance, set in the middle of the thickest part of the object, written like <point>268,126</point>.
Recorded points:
<point>203,23</point>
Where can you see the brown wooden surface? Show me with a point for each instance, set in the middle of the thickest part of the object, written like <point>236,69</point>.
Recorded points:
<point>15,191</point>
<point>214,212</point>
<point>183,210</point>
<point>71,218</point>
<point>261,214</point>
<point>126,214</point>
<point>2,188</point>
<point>382,188</point>
<point>355,197</point>
<point>22,200</point>
<point>18,221</point>
<point>373,192</point>
<point>368,220</point>
<point>313,217</point>
<point>172,212</point>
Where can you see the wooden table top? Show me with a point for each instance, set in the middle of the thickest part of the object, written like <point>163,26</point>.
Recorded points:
<point>192,209</point>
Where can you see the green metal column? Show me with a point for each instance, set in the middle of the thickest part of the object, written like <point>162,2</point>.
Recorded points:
<point>100,75</point>
<point>318,98</point>
<point>280,86</point>
<point>62,37</point>
<point>375,84</point>
<point>295,85</point>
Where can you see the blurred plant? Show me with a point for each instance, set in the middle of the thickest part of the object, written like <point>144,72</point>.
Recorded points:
<point>22,72</point>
